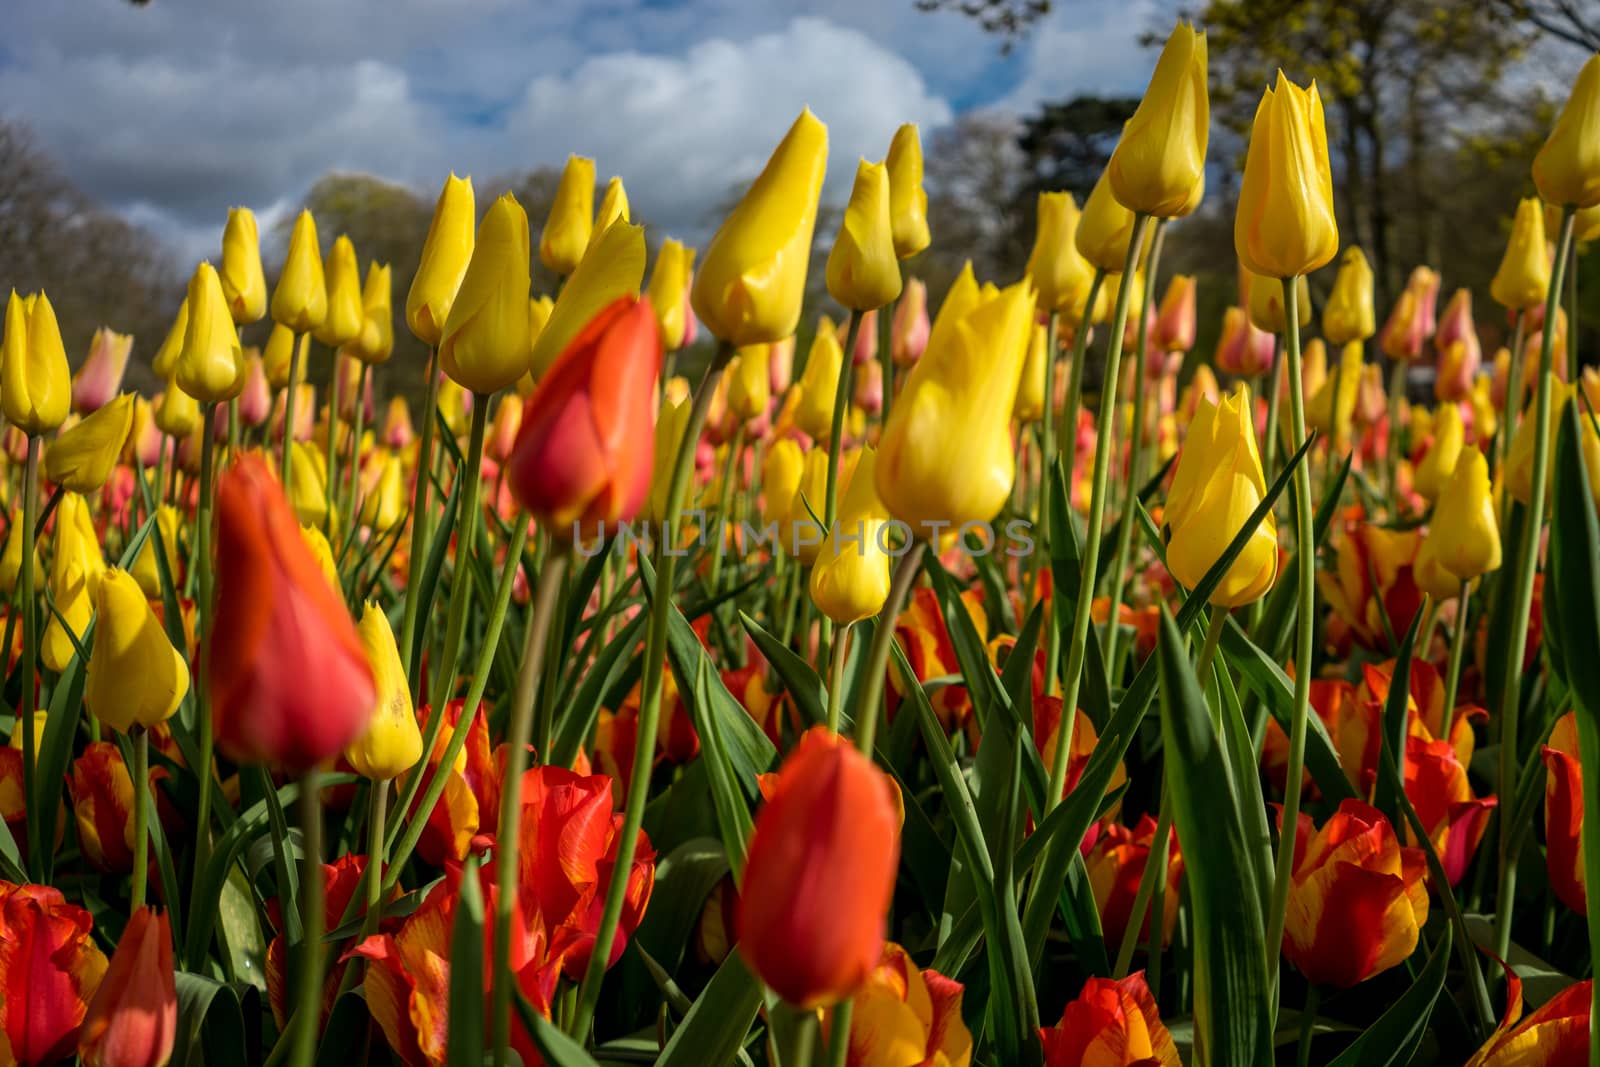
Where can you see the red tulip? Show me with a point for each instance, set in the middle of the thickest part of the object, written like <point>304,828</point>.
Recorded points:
<point>587,442</point>
<point>102,800</point>
<point>820,874</point>
<point>1111,1024</point>
<point>465,813</point>
<point>290,682</point>
<point>49,968</point>
<point>133,1019</point>
<point>1437,786</point>
<point>341,881</point>
<point>1563,815</point>
<point>1116,865</point>
<point>1557,1035</point>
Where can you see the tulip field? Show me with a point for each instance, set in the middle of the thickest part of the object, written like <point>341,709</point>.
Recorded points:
<point>685,670</point>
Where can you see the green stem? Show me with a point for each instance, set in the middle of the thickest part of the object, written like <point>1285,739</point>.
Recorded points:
<point>141,817</point>
<point>1458,643</point>
<point>1574,364</point>
<point>444,678</point>
<point>296,354</point>
<point>1308,1026</point>
<point>1305,622</point>
<point>1511,404</point>
<point>1397,393</point>
<point>331,453</point>
<point>650,697</point>
<point>841,644</point>
<point>724,503</point>
<point>309,995</point>
<point>803,1038</point>
<point>508,843</point>
<point>886,356</point>
<point>350,515</point>
<point>420,529</point>
<point>841,404</point>
<point>1522,587</point>
<point>377,817</point>
<point>839,1034</point>
<point>877,663</point>
<point>1269,447</point>
<point>30,657</point>
<point>203,566</point>
<point>161,471</point>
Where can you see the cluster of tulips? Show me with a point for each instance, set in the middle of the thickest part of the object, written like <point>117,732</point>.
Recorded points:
<point>884,715</point>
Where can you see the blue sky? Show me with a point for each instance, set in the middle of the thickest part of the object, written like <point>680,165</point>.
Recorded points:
<point>172,112</point>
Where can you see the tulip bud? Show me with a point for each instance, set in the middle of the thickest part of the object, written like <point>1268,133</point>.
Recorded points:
<point>819,382</point>
<point>800,534</point>
<point>1161,157</point>
<point>1523,278</point>
<point>397,430</point>
<point>1104,229</point>
<point>133,1019</point>
<point>613,209</point>
<point>146,567</point>
<point>817,887</point>
<point>485,346</point>
<point>850,579</point>
<point>671,424</point>
<point>392,744</point>
<point>97,381</point>
<point>1060,274</point>
<point>908,201</point>
<point>1436,467</point>
<point>1567,168</point>
<point>82,458</point>
<point>751,283</point>
<point>243,282</point>
<point>11,558</point>
<point>278,356</point>
<point>1348,315</point>
<point>75,573</point>
<point>342,324</point>
<point>780,366</point>
<point>300,301</point>
<point>863,272</point>
<point>503,428</point>
<point>1465,533</point>
<point>35,389</point>
<point>1411,322</point>
<point>383,493</point>
<point>1243,350</point>
<point>445,253</point>
<point>1175,321</point>
<point>1030,391</point>
<point>669,285</point>
<point>748,387</point>
<point>1266,304</point>
<point>1331,406</point>
<point>1285,221</point>
<point>375,343</point>
<point>211,365</point>
<point>613,269</point>
<point>136,677</point>
<point>1111,1022</point>
<point>176,413</point>
<point>1518,470</point>
<point>571,220</point>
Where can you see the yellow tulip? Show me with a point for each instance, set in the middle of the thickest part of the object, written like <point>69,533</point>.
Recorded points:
<point>863,272</point>
<point>393,743</point>
<point>613,209</point>
<point>1585,222</point>
<point>455,404</point>
<point>850,579</point>
<point>752,281</point>
<point>671,424</point>
<point>135,677</point>
<point>1348,315</point>
<point>485,346</point>
<point>384,499</point>
<point>749,392</point>
<point>1217,485</point>
<point>35,385</point>
<point>1105,229</point>
<point>1519,462</point>
<point>82,458</point>
<point>1161,157</point>
<point>945,456</point>
<point>300,301</point>
<point>1524,275</point>
<point>375,343</point>
<point>1485,418</point>
<point>819,382</point>
<point>1567,169</point>
<point>571,220</point>
<point>1266,304</point>
<point>1285,222</point>
<point>165,360</point>
<point>1061,276</point>
<point>211,365</point>
<point>908,201</point>
<point>75,574</point>
<point>1465,532</point>
<point>800,535</point>
<point>1332,405</point>
<point>342,324</point>
<point>243,282</point>
<point>1429,573</point>
<point>960,300</point>
<point>780,478</point>
<point>308,473</point>
<point>177,414</point>
<point>1449,435</point>
<point>277,357</point>
<point>322,552</point>
<point>1030,392</point>
<point>669,288</point>
<point>146,566</point>
<point>445,253</point>
<point>11,558</point>
<point>612,269</point>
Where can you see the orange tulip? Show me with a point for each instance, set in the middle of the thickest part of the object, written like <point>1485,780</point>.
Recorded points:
<point>1436,784</point>
<point>587,442</point>
<point>133,1019</point>
<point>290,682</point>
<point>102,801</point>
<point>49,968</point>
<point>1116,864</point>
<point>1373,580</point>
<point>820,873</point>
<point>471,794</point>
<point>1563,815</point>
<point>1357,899</point>
<point>1557,1035</point>
<point>904,1016</point>
<point>922,634</point>
<point>341,880</point>
<point>1111,1024</point>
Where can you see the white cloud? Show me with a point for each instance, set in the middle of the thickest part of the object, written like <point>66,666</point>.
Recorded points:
<point>1087,47</point>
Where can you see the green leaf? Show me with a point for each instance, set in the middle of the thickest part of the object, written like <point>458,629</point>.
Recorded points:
<point>1017,676</point>
<point>685,878</point>
<point>1395,721</point>
<point>578,717</point>
<point>1573,592</point>
<point>1392,1040</point>
<point>210,1022</point>
<point>1231,993</point>
<point>55,749</point>
<point>714,1030</point>
<point>344,1039</point>
<point>799,678</point>
<point>733,810</point>
<point>465,1041</point>
<point>428,583</point>
<point>1246,780</point>
<point>557,1048</point>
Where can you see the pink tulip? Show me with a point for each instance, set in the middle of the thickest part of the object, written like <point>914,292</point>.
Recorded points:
<point>97,382</point>
<point>255,403</point>
<point>780,365</point>
<point>911,323</point>
<point>1175,323</point>
<point>1244,350</point>
<point>866,340</point>
<point>869,387</point>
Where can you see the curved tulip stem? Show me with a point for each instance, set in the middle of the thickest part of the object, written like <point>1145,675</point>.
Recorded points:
<point>377,817</point>
<point>653,666</point>
<point>309,994</point>
<point>296,354</point>
<point>141,817</point>
<point>203,567</point>
<point>877,664</point>
<point>30,655</point>
<point>1458,644</point>
<point>1155,862</point>
<point>444,678</point>
<point>841,644</point>
<point>1305,622</point>
<point>839,1034</point>
<point>507,841</point>
<point>420,529</point>
<point>1522,588</point>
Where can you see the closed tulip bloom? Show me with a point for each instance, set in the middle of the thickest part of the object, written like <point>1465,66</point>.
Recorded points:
<point>1460,351</point>
<point>342,324</point>
<point>1585,222</point>
<point>375,343</point>
<point>300,301</point>
<point>243,282</point>
<point>1267,311</point>
<point>383,495</point>
<point>863,272</point>
<point>1161,157</point>
<point>1243,349</point>
<point>274,607</point>
<point>1331,407</point>
<point>102,805</point>
<point>211,364</point>
<point>1111,1024</point>
<point>503,428</point>
<point>1357,899</point>
<point>1285,222</point>
<point>133,1019</point>
<point>392,743</point>
<point>1523,278</point>
<point>1348,315</point>
<point>255,400</point>
<point>11,558</point>
<point>1430,575</point>
<point>910,336</point>
<point>819,382</point>
<point>905,1017</point>
<point>1115,866</point>
<point>1567,168</point>
<point>1449,435</point>
<point>850,579</point>
<point>485,346</point>
<point>397,432</point>
<point>820,874</point>
<point>749,391</point>
<point>800,535</point>
<point>97,381</point>
<point>1412,322</point>
<point>585,451</point>
<point>75,573</point>
<point>82,459</point>
<point>1217,485</point>
<point>613,269</point>
<point>1174,328</point>
<point>1104,229</point>
<point>176,412</point>
<point>781,470</point>
<point>277,357</point>
<point>165,360</point>
<point>669,287</point>
<point>146,567</point>
<point>752,280</point>
<point>445,253</point>
<point>954,415</point>
<point>908,201</point>
<point>35,388</point>
<point>50,967</point>
<point>567,229</point>
<point>1518,471</point>
<point>613,208</point>
<point>1029,406</point>
<point>671,424</point>
<point>1061,276</point>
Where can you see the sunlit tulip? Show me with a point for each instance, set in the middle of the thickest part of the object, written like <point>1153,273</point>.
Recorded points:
<point>1348,315</point>
<point>568,227</point>
<point>1436,784</point>
<point>1115,866</point>
<point>910,336</point>
<point>613,269</point>
<point>83,457</point>
<point>1567,168</point>
<point>485,345</point>
<point>97,381</point>
<point>584,452</point>
<point>135,677</point>
<point>278,355</point>
<point>75,573</point>
<point>1331,407</point>
<point>862,271</point>
<point>954,414</point>
<point>1563,814</point>
<point>392,743</point>
<point>344,319</point>
<point>1060,274</point>
<point>908,201</point>
<point>1174,327</point>
<point>49,969</point>
<point>1242,349</point>
<point>308,494</point>
<point>749,391</point>
<point>1285,221</point>
<point>1518,471</point>
<point>375,343</point>
<point>210,365</point>
<point>35,388</point>
<point>1105,229</point>
<point>397,432</point>
<point>102,806</point>
<point>300,300</point>
<point>1161,157</point>
<point>1217,485</point>
<point>1585,222</point>
<point>273,606</point>
<point>146,566</point>
<point>671,423</point>
<point>1267,308</point>
<point>751,282</point>
<point>1523,278</point>
<point>850,578</point>
<point>819,382</point>
<point>445,253</point>
<point>1029,405</point>
<point>165,360</point>
<point>243,282</point>
<point>133,1019</point>
<point>669,287</point>
<point>1557,1035</point>
<point>1111,1023</point>
<point>613,209</point>
<point>820,873</point>
<point>1440,462</point>
<point>906,1016</point>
